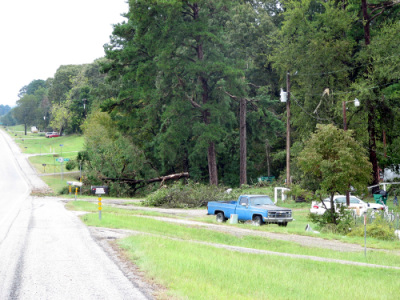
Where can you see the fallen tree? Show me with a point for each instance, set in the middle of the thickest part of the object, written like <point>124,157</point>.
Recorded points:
<point>142,182</point>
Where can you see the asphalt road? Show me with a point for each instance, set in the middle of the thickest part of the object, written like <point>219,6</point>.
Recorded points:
<point>45,250</point>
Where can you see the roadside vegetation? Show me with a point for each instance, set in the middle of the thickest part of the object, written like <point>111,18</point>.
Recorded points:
<point>189,267</point>
<point>180,253</point>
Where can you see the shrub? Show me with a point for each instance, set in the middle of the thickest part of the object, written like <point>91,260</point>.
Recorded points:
<point>70,165</point>
<point>179,195</point>
<point>344,221</point>
<point>64,190</point>
<point>379,229</point>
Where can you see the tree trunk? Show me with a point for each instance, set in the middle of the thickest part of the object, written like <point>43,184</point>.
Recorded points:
<point>243,142</point>
<point>333,218</point>
<point>370,109</point>
<point>131,181</point>
<point>211,154</point>
<point>372,143</point>
<point>212,164</point>
<point>367,34</point>
<point>268,155</point>
<point>288,180</point>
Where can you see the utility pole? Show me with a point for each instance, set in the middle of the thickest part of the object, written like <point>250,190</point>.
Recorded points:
<point>288,181</point>
<point>344,116</point>
<point>356,103</point>
<point>345,129</point>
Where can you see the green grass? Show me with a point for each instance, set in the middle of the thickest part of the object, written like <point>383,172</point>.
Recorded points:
<point>193,271</point>
<point>80,205</point>
<point>130,219</point>
<point>56,183</point>
<point>52,165</point>
<point>17,129</point>
<point>295,227</point>
<point>42,145</point>
<point>49,149</point>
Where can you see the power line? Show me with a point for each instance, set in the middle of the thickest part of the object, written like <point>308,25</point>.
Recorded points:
<point>306,112</point>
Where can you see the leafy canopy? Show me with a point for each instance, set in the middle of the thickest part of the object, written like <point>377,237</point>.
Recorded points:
<point>335,160</point>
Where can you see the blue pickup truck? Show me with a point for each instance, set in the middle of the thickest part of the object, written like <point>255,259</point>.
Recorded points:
<point>258,208</point>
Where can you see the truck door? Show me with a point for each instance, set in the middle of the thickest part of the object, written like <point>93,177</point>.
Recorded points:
<point>243,210</point>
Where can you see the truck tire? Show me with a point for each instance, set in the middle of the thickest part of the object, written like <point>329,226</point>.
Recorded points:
<point>257,221</point>
<point>220,217</point>
<point>284,224</point>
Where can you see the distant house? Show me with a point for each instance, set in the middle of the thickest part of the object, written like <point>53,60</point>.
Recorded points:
<point>391,174</point>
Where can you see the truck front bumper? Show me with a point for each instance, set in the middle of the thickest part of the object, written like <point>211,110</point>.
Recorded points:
<point>279,216</point>
<point>277,220</point>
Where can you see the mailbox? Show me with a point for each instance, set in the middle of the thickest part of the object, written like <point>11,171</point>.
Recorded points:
<point>74,183</point>
<point>99,190</point>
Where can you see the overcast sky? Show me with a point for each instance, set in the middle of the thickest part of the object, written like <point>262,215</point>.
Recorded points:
<point>38,36</point>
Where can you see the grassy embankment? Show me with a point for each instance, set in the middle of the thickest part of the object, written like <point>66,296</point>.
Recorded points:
<point>46,151</point>
<point>172,255</point>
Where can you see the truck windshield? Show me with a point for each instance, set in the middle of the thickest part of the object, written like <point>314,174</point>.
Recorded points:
<point>264,200</point>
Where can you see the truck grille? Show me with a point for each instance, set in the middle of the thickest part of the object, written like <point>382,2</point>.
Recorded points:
<point>280,214</point>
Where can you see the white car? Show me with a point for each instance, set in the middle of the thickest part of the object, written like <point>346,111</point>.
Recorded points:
<point>356,204</point>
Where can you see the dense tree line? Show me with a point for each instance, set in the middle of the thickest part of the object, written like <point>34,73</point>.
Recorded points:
<point>4,109</point>
<point>193,86</point>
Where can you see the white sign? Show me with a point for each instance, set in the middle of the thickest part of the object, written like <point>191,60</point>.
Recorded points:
<point>100,191</point>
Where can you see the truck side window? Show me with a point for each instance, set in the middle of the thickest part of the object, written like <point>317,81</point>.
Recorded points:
<point>244,201</point>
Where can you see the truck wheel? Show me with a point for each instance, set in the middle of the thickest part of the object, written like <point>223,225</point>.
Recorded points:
<point>284,224</point>
<point>220,217</point>
<point>257,221</point>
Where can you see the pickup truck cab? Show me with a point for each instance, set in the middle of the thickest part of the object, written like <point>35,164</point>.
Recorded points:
<point>258,208</point>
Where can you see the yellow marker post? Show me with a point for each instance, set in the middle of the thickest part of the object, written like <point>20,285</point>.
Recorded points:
<point>99,190</point>
<point>69,189</point>
<point>76,192</point>
<point>99,208</point>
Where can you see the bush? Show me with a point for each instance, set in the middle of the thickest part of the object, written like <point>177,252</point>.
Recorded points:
<point>326,222</point>
<point>379,229</point>
<point>179,195</point>
<point>64,190</point>
<point>70,165</point>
